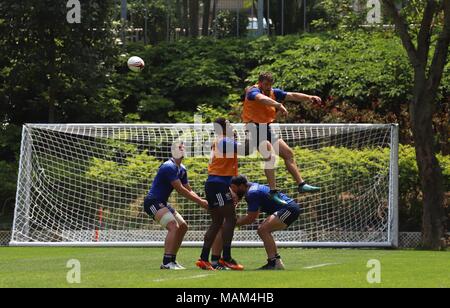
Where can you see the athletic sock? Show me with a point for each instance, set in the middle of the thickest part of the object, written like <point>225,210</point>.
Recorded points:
<point>301,184</point>
<point>174,258</point>
<point>227,253</point>
<point>205,254</point>
<point>167,259</point>
<point>215,259</point>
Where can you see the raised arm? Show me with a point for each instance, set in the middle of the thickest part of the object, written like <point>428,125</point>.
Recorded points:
<point>300,97</point>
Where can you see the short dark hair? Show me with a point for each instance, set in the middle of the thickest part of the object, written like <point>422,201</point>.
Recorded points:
<point>222,122</point>
<point>239,180</point>
<point>266,76</point>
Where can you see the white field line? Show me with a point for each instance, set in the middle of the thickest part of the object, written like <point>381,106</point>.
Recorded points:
<point>320,265</point>
<point>182,278</point>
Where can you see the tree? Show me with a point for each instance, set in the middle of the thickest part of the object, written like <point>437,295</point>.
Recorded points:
<point>206,17</point>
<point>193,18</point>
<point>54,70</point>
<point>428,74</point>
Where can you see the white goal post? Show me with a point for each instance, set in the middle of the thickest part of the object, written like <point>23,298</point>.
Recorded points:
<point>84,184</point>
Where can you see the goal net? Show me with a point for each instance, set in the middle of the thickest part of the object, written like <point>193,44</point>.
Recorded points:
<point>84,185</point>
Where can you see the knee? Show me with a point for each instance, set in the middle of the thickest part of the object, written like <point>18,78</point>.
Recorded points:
<point>262,231</point>
<point>231,221</point>
<point>173,226</point>
<point>288,155</point>
<point>183,228</point>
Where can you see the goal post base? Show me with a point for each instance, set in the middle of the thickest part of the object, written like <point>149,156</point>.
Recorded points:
<point>200,244</point>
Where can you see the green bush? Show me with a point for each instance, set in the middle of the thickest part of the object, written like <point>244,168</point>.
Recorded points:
<point>352,170</point>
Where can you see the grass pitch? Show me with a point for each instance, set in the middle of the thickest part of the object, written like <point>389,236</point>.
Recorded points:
<point>139,267</point>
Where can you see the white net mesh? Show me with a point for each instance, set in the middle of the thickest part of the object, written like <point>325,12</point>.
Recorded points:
<point>85,184</point>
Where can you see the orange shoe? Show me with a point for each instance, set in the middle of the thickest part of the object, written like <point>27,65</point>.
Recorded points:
<point>233,265</point>
<point>206,266</point>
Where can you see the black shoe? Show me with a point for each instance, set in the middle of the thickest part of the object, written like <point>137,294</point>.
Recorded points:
<point>267,267</point>
<point>219,267</point>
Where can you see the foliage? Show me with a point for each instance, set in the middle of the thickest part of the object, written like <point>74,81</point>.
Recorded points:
<point>338,14</point>
<point>225,25</point>
<point>53,70</point>
<point>345,166</point>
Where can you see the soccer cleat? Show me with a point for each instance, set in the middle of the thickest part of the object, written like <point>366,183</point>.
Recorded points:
<point>275,196</point>
<point>267,267</point>
<point>305,188</point>
<point>172,266</point>
<point>279,265</point>
<point>206,266</point>
<point>232,265</point>
<point>220,267</point>
<point>180,267</point>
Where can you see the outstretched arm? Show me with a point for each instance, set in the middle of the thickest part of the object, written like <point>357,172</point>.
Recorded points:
<point>300,97</point>
<point>248,220</point>
<point>186,191</point>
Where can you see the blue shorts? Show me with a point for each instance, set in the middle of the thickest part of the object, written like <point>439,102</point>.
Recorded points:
<point>218,195</point>
<point>289,214</point>
<point>152,206</point>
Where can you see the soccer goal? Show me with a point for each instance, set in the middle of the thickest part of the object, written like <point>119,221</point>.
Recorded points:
<point>84,185</point>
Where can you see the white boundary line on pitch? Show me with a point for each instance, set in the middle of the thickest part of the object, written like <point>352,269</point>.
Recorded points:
<point>320,265</point>
<point>183,278</point>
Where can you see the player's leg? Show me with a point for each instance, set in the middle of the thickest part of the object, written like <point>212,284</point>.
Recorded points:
<point>166,219</point>
<point>182,230</point>
<point>281,220</point>
<point>287,154</point>
<point>229,212</point>
<point>164,215</point>
<point>210,236</point>
<point>268,153</point>
<point>265,230</point>
<point>217,252</point>
<point>217,248</point>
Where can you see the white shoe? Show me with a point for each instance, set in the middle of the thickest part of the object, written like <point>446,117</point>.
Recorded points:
<point>172,266</point>
<point>179,267</point>
<point>279,265</point>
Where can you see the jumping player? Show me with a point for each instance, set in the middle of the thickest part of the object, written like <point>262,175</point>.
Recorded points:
<point>280,217</point>
<point>222,167</point>
<point>171,175</point>
<point>261,105</point>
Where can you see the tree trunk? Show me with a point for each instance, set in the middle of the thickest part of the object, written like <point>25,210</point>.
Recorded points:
<point>185,21</point>
<point>214,9</point>
<point>429,169</point>
<point>193,15</point>
<point>52,87</point>
<point>206,17</point>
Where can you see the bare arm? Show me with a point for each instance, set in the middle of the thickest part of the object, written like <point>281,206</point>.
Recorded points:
<point>300,97</point>
<point>248,220</point>
<point>265,100</point>
<point>186,191</point>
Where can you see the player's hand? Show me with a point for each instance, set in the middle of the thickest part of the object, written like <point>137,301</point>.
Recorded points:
<point>204,204</point>
<point>284,112</point>
<point>235,198</point>
<point>316,100</point>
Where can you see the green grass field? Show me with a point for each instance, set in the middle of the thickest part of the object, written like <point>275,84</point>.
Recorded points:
<point>138,267</point>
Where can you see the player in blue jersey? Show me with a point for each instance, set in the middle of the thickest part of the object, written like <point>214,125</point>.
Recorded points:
<point>172,175</point>
<point>259,200</point>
